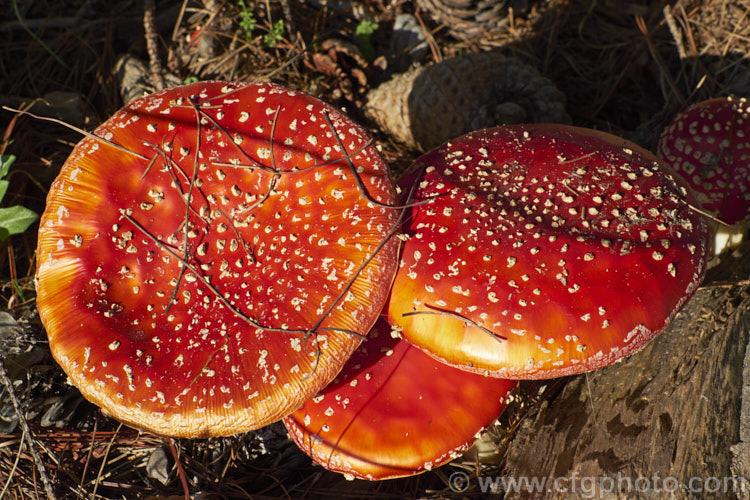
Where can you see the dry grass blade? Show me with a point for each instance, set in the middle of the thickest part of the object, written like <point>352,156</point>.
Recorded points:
<point>98,478</point>
<point>659,61</point>
<point>27,433</point>
<point>180,470</point>
<point>13,469</point>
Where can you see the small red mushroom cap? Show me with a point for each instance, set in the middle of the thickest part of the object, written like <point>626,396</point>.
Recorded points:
<point>540,251</point>
<point>394,411</point>
<point>210,261</point>
<point>708,144</point>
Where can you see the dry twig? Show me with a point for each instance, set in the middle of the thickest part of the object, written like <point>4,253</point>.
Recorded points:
<point>152,45</point>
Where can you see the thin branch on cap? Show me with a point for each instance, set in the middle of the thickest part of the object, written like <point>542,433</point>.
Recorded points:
<point>681,194</point>
<point>250,254</point>
<point>163,246</point>
<point>173,295</point>
<point>148,167</point>
<point>253,322</point>
<point>578,158</point>
<point>347,157</point>
<point>208,361</point>
<point>184,226</point>
<point>391,233</point>
<point>187,198</point>
<point>452,314</point>
<point>79,130</point>
<point>201,109</point>
<point>708,215</point>
<point>171,165</point>
<point>255,164</point>
<point>296,170</point>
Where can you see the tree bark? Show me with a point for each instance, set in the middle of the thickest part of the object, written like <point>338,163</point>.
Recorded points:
<point>671,421</point>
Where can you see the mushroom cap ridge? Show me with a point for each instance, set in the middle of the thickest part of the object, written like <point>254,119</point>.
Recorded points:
<point>546,250</point>
<point>263,306</point>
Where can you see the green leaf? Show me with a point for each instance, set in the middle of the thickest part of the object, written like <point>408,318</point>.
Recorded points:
<point>364,32</point>
<point>19,292</point>
<point>3,189</point>
<point>15,220</point>
<point>5,163</point>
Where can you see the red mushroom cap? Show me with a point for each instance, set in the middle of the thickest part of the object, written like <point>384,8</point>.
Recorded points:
<point>394,411</point>
<point>543,251</point>
<point>708,144</point>
<point>225,313</point>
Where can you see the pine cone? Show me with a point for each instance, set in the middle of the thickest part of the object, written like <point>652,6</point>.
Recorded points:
<point>471,18</point>
<point>430,105</point>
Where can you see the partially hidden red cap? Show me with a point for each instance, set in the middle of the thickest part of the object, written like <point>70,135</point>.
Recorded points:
<point>708,144</point>
<point>395,411</point>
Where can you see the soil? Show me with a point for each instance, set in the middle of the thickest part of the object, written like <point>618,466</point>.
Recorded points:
<point>623,67</point>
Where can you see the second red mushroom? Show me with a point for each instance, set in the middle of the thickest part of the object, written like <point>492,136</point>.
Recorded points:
<point>542,250</point>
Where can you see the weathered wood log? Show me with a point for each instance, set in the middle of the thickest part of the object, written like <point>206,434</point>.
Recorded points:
<point>670,421</point>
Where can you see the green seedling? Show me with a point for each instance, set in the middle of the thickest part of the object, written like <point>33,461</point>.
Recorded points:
<point>274,35</point>
<point>247,20</point>
<point>15,219</point>
<point>364,31</point>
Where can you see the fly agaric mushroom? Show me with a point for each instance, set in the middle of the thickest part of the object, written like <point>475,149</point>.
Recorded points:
<point>708,144</point>
<point>540,251</point>
<point>394,411</point>
<point>208,258</point>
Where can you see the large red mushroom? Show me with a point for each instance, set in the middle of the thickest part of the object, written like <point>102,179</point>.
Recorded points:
<point>211,256</point>
<point>540,251</point>
<point>394,411</point>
